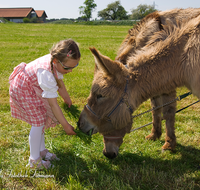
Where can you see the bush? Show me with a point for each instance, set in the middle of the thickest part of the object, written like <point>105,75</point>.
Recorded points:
<point>34,20</point>
<point>3,20</point>
<point>26,20</point>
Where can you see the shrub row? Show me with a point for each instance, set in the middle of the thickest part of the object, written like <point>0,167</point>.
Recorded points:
<point>96,22</point>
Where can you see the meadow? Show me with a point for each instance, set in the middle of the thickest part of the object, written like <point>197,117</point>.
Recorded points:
<point>140,165</point>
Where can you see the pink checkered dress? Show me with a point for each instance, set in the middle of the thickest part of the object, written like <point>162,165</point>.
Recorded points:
<point>26,101</point>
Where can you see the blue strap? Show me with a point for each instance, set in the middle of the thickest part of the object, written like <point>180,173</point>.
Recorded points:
<point>88,107</point>
<point>115,107</point>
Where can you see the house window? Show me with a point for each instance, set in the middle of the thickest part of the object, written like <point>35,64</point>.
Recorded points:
<point>33,14</point>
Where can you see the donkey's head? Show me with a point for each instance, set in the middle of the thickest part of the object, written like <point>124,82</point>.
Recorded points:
<point>108,110</point>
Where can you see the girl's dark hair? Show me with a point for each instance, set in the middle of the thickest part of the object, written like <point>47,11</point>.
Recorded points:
<point>62,50</point>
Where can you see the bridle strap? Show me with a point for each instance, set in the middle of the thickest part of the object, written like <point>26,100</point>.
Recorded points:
<point>122,100</point>
<point>112,137</point>
<point>115,107</point>
<point>88,107</point>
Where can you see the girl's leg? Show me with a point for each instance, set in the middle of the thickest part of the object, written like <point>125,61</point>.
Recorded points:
<point>35,138</point>
<point>42,144</point>
<point>35,142</point>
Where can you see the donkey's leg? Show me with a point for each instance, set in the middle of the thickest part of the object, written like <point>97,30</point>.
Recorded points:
<point>169,115</point>
<point>156,131</point>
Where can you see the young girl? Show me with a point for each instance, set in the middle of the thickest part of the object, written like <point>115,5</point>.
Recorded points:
<point>33,97</point>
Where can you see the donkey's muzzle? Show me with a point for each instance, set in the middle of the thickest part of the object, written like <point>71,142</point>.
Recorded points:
<point>110,155</point>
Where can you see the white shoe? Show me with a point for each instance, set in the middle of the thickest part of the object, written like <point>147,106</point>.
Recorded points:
<point>39,164</point>
<point>46,155</point>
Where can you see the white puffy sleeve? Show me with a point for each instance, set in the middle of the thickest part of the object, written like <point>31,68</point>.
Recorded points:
<point>48,83</point>
<point>60,76</point>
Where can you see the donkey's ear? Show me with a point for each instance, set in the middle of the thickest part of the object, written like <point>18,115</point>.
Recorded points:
<point>100,61</point>
<point>107,65</point>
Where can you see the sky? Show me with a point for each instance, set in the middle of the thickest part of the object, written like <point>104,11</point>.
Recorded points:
<point>70,8</point>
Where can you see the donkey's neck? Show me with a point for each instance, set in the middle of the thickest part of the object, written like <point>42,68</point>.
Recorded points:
<point>156,73</point>
<point>160,81</point>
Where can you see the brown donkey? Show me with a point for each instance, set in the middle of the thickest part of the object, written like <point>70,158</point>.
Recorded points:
<point>138,37</point>
<point>171,61</point>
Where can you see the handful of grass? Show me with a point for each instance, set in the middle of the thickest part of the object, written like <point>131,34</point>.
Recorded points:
<point>86,138</point>
<point>80,133</point>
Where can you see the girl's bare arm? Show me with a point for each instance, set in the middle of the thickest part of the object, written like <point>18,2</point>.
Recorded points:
<point>60,117</point>
<point>64,94</point>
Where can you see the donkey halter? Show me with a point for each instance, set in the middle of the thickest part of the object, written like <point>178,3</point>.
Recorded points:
<point>123,99</point>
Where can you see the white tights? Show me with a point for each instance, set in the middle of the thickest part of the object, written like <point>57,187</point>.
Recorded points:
<point>36,142</point>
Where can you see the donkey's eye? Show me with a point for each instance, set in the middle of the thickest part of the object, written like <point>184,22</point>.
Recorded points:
<point>99,96</point>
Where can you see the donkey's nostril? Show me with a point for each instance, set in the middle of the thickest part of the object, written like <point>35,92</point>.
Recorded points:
<point>110,155</point>
<point>114,155</point>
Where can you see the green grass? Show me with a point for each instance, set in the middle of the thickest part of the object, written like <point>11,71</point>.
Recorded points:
<point>140,164</point>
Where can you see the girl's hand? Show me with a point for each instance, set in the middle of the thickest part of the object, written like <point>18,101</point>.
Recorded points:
<point>69,129</point>
<point>68,101</point>
<point>60,117</point>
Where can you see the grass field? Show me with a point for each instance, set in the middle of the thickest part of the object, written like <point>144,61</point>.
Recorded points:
<point>140,164</point>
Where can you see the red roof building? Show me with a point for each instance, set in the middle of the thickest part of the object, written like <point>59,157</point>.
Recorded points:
<point>41,15</point>
<point>17,14</point>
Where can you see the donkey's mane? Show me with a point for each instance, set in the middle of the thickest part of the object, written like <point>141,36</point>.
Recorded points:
<point>137,28</point>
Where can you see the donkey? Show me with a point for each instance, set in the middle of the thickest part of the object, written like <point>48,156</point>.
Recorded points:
<point>171,61</point>
<point>138,37</point>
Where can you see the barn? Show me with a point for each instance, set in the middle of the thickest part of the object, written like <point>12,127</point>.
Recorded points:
<point>18,14</point>
<point>41,15</point>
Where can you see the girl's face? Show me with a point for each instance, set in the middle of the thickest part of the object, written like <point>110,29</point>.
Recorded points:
<point>66,66</point>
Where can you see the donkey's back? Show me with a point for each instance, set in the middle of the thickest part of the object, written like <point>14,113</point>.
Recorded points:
<point>178,14</point>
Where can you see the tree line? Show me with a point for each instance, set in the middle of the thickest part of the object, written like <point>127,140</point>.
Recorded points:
<point>114,11</point>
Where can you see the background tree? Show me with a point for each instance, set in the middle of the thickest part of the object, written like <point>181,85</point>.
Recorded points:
<point>86,10</point>
<point>142,11</point>
<point>114,11</point>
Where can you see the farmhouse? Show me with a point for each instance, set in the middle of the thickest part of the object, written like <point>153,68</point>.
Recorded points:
<point>18,14</point>
<point>41,15</point>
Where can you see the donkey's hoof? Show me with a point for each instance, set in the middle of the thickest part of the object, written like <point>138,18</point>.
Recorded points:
<point>151,137</point>
<point>168,146</point>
